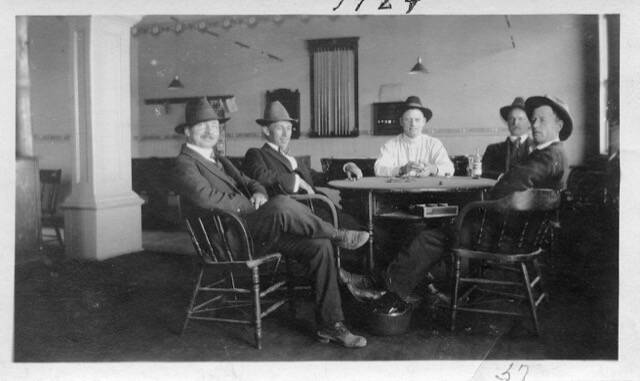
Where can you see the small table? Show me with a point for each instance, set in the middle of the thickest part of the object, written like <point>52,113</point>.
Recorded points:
<point>375,187</point>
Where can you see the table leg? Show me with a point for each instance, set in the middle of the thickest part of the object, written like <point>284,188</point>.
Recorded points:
<point>370,226</point>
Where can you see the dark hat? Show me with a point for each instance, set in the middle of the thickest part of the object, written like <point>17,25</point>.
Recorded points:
<point>559,107</point>
<point>414,102</point>
<point>198,111</point>
<point>518,102</point>
<point>274,112</point>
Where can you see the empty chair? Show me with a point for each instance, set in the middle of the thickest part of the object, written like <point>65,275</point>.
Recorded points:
<point>508,236</point>
<point>50,181</point>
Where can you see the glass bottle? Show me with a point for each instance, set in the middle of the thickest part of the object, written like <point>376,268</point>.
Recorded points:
<point>476,169</point>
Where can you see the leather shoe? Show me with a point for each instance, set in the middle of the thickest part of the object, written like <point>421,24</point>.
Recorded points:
<point>350,239</point>
<point>442,297</point>
<point>360,281</point>
<point>339,333</point>
<point>390,303</point>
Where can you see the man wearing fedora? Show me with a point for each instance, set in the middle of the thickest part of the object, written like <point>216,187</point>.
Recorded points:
<point>551,124</point>
<point>280,173</point>
<point>273,167</point>
<point>501,156</point>
<point>413,153</point>
<point>205,181</point>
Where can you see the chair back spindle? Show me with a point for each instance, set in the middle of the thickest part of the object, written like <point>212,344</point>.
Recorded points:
<point>50,181</point>
<point>220,236</point>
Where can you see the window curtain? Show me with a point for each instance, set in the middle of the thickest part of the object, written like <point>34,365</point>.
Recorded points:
<point>334,89</point>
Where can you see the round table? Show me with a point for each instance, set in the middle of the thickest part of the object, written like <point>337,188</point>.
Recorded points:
<point>415,184</point>
<point>373,186</point>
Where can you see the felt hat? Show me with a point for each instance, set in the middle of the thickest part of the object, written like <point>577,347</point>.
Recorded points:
<point>198,111</point>
<point>559,107</point>
<point>518,102</point>
<point>414,102</point>
<point>274,112</point>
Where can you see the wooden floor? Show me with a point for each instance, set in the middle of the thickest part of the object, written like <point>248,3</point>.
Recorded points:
<point>129,308</point>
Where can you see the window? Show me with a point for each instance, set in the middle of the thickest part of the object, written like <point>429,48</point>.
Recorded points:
<point>334,87</point>
<point>609,42</point>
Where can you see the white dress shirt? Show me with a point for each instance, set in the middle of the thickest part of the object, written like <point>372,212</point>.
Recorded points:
<point>207,153</point>
<point>522,138</point>
<point>547,144</point>
<point>294,165</point>
<point>422,149</point>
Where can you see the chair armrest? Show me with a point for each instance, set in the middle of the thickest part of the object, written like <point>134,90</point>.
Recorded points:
<point>472,206</point>
<point>262,260</point>
<point>321,198</point>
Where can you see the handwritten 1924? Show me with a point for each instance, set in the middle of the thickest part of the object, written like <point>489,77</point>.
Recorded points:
<point>384,4</point>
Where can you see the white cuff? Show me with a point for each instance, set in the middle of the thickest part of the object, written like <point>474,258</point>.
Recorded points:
<point>296,183</point>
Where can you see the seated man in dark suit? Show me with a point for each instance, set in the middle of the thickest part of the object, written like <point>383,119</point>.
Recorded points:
<point>274,168</point>
<point>543,168</point>
<point>500,157</point>
<point>205,181</point>
<point>280,173</point>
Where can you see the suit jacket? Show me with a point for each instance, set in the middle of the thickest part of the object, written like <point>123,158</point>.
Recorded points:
<point>203,185</point>
<point>499,157</point>
<point>271,169</point>
<point>541,169</point>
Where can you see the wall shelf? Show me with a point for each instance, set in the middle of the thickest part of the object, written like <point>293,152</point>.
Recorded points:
<point>163,101</point>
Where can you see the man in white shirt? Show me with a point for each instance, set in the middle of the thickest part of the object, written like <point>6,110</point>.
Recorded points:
<point>413,153</point>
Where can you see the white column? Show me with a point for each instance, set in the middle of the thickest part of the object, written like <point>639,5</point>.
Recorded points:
<point>102,214</point>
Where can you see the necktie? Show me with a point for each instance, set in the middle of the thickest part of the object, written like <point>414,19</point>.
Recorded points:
<point>215,161</point>
<point>516,149</point>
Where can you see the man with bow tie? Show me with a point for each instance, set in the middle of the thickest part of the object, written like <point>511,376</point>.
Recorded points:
<point>500,157</point>
<point>205,181</point>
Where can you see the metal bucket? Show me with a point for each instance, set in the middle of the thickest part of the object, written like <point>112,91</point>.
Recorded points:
<point>395,323</point>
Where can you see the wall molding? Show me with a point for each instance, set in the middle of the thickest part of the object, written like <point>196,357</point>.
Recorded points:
<point>462,132</point>
<point>52,137</point>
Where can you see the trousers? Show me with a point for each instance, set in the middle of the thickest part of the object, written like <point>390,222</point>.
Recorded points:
<point>287,226</point>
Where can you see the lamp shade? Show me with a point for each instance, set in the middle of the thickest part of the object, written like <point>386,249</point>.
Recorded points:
<point>418,68</point>
<point>175,84</point>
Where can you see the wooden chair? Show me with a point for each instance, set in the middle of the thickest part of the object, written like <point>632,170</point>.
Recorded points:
<point>507,235</point>
<point>231,278</point>
<point>50,182</point>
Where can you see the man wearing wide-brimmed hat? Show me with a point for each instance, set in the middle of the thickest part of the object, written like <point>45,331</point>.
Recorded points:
<point>205,181</point>
<point>273,166</point>
<point>413,153</point>
<point>501,156</point>
<point>551,124</point>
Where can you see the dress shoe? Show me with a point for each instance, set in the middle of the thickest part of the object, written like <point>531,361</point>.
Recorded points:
<point>360,286</point>
<point>339,333</point>
<point>361,281</point>
<point>442,297</point>
<point>350,239</point>
<point>390,303</point>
